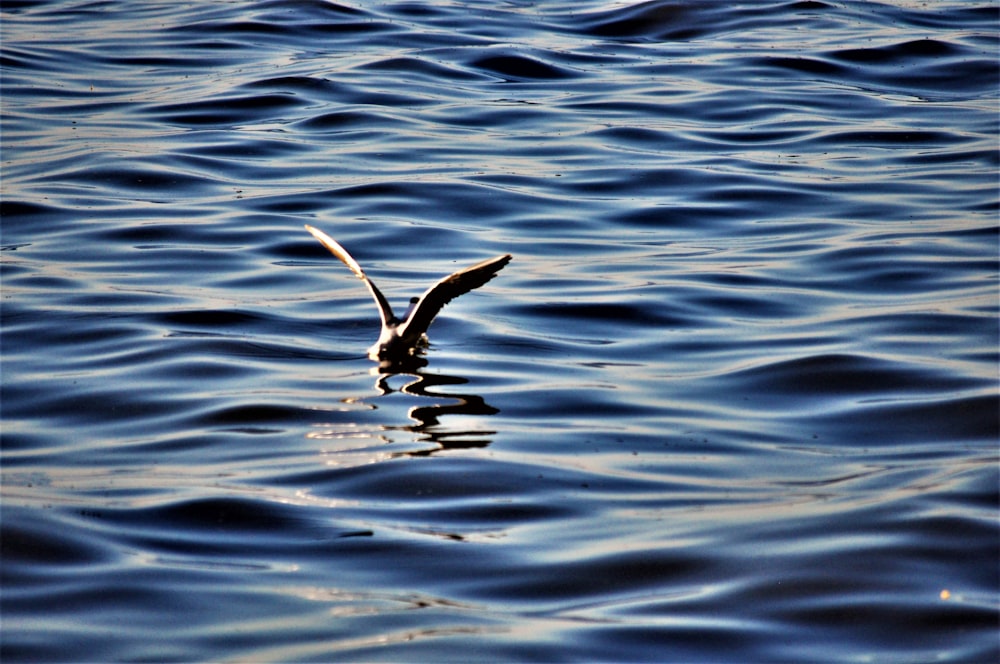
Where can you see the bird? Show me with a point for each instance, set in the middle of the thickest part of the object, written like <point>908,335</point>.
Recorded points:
<point>401,338</point>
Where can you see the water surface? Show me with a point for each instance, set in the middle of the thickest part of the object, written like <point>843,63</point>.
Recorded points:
<point>735,398</point>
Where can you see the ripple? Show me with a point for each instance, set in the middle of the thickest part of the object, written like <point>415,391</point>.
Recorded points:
<point>519,67</point>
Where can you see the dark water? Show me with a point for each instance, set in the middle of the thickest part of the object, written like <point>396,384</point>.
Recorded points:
<point>735,398</point>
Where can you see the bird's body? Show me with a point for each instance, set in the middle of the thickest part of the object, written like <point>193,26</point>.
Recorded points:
<point>401,337</point>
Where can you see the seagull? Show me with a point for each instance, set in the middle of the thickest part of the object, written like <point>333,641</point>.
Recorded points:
<point>401,337</point>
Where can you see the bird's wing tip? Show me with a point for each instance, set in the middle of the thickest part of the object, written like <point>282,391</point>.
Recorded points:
<point>385,311</point>
<point>337,250</point>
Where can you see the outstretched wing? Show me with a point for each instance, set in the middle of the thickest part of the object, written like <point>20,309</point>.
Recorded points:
<point>385,311</point>
<point>447,290</point>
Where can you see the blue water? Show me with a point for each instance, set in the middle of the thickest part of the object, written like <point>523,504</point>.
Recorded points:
<point>734,399</point>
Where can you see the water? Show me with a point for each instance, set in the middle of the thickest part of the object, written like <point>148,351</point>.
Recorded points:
<point>735,398</point>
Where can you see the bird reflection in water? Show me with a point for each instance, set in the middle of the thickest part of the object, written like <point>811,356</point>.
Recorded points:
<point>426,418</point>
